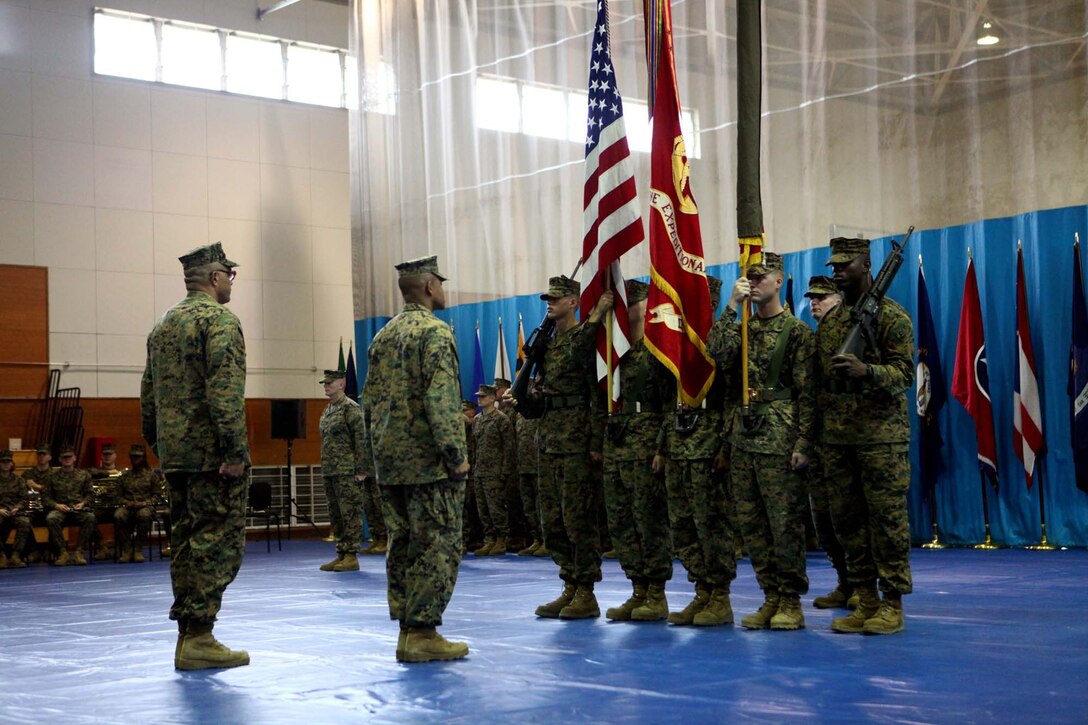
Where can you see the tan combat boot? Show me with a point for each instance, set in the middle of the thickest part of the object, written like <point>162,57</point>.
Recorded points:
<point>888,619</point>
<point>124,557</point>
<point>530,550</point>
<point>15,561</point>
<point>852,602</point>
<point>3,560</point>
<point>789,614</point>
<point>718,609</point>
<point>686,615</point>
<point>552,609</point>
<point>199,650</point>
<point>485,550</point>
<point>622,613</point>
<point>835,599</point>
<point>424,644</point>
<point>378,547</point>
<point>331,565</point>
<point>761,618</point>
<point>499,547</point>
<point>137,555</point>
<point>77,559</point>
<point>348,562</point>
<point>542,550</point>
<point>655,608</point>
<point>583,605</point>
<point>854,623</point>
<point>62,559</point>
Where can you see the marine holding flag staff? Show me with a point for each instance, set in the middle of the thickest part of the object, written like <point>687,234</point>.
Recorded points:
<point>864,437</point>
<point>571,444</point>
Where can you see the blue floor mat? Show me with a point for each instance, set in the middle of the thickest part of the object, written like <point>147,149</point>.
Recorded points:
<point>990,637</point>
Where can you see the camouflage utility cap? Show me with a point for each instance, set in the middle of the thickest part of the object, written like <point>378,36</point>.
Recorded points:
<point>331,375</point>
<point>468,405</point>
<point>137,449</point>
<point>562,286</point>
<point>67,450</point>
<point>715,286</point>
<point>844,250</point>
<point>109,448</point>
<point>486,390</point>
<point>819,285</point>
<point>208,254</point>
<point>636,291</point>
<point>43,449</point>
<point>423,265</point>
<point>502,383</point>
<point>6,455</point>
<point>770,262</point>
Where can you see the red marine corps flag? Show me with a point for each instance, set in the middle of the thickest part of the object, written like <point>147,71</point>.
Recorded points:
<point>678,314</point>
<point>611,220</point>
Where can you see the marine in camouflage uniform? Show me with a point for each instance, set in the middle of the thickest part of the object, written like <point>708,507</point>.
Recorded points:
<point>634,495</point>
<point>68,496</point>
<point>472,530</point>
<point>494,467</point>
<point>13,512</point>
<point>864,437</point>
<point>35,477</point>
<point>138,490</point>
<point>517,515</point>
<point>343,470</point>
<point>192,402</point>
<point>571,436</point>
<point>823,295</point>
<point>417,434</point>
<point>528,459</point>
<point>772,445</point>
<point>104,480</point>
<point>691,451</point>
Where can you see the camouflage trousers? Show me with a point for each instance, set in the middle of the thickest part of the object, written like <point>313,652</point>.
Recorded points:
<point>820,500</point>
<point>132,521</point>
<point>423,523</point>
<point>372,509</point>
<point>491,505</point>
<point>471,529</point>
<point>568,515</point>
<point>208,538</point>
<point>702,532</point>
<point>637,520</point>
<point>868,487</point>
<point>21,525</point>
<point>345,498</point>
<point>55,521</point>
<point>530,504</point>
<point>770,500</point>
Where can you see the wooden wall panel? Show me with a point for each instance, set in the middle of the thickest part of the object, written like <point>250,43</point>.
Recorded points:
<point>24,322</point>
<point>119,418</point>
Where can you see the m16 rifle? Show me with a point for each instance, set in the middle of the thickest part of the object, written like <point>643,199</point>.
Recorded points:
<point>864,313</point>
<point>534,348</point>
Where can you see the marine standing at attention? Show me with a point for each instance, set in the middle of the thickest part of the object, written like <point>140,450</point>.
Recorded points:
<point>417,434</point>
<point>343,470</point>
<point>192,402</point>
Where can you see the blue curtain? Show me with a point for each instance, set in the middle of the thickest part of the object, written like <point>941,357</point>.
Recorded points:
<point>1014,510</point>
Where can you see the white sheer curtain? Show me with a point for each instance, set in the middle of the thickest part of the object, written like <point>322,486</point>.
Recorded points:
<point>877,114</point>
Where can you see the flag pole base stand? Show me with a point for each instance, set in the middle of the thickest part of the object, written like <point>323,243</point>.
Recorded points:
<point>988,544</point>
<point>935,544</point>
<point>1043,545</point>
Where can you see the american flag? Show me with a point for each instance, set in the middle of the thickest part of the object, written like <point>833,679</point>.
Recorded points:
<point>611,219</point>
<point>1027,415</point>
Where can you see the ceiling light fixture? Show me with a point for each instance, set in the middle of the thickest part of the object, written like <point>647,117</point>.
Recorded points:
<point>988,38</point>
